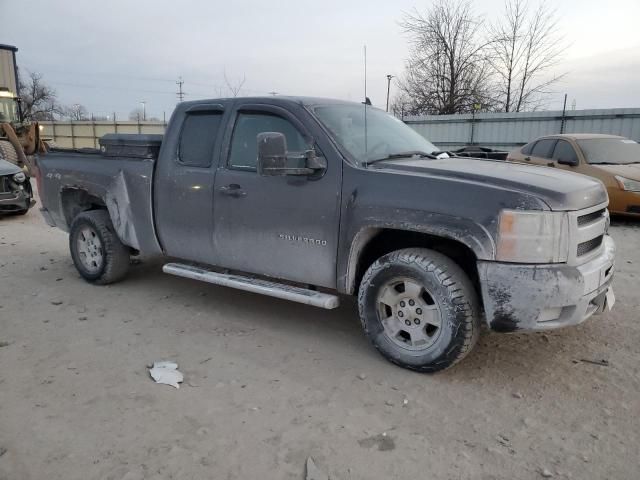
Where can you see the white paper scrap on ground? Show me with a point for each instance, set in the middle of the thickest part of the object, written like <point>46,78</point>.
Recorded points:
<point>166,373</point>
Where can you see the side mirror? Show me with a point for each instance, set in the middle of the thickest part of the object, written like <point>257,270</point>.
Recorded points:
<point>272,153</point>
<point>571,163</point>
<point>274,160</point>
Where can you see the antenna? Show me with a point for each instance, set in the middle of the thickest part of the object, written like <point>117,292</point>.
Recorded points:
<point>366,101</point>
<point>180,93</point>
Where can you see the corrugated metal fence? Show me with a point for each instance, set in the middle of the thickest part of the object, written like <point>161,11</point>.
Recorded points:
<point>85,133</point>
<point>505,131</point>
<point>448,132</point>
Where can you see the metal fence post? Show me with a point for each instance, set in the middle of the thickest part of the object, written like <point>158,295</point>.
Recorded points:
<point>93,130</point>
<point>473,125</point>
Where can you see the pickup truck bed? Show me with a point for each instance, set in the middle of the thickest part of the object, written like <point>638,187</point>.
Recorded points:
<point>122,184</point>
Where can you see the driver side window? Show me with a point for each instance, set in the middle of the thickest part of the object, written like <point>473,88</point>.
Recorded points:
<point>244,144</point>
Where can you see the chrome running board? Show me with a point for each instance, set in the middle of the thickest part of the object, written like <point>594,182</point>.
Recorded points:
<point>255,285</point>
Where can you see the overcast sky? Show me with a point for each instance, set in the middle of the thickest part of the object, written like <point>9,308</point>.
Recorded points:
<point>111,55</point>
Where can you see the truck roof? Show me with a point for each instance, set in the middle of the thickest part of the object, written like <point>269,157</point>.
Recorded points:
<point>582,136</point>
<point>273,99</point>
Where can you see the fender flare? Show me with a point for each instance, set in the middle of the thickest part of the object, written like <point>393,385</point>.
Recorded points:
<point>470,234</point>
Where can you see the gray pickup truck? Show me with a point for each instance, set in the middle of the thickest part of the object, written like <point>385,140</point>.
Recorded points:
<point>308,199</point>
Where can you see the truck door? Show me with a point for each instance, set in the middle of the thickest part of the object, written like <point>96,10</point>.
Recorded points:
<point>284,227</point>
<point>183,185</point>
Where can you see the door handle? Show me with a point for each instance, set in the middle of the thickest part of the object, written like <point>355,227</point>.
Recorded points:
<point>233,190</point>
<point>551,164</point>
<point>528,159</point>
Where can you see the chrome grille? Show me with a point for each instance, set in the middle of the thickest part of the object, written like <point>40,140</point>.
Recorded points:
<point>587,229</point>
<point>4,185</point>
<point>589,246</point>
<point>590,217</point>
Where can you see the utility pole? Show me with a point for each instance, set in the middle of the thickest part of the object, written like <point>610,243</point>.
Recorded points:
<point>389,77</point>
<point>564,113</point>
<point>180,93</point>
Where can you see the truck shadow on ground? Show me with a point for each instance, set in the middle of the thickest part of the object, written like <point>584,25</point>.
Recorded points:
<point>497,356</point>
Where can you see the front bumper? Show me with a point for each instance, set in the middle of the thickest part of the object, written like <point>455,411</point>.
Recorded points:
<point>16,201</point>
<point>542,297</point>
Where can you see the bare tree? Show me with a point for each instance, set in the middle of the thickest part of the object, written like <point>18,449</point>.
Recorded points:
<point>38,99</point>
<point>447,70</point>
<point>234,86</point>
<point>525,47</point>
<point>136,114</point>
<point>76,112</point>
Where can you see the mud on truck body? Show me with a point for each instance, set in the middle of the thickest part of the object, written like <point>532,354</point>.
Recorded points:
<point>310,199</point>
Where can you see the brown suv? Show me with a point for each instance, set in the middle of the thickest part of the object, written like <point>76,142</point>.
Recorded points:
<point>615,161</point>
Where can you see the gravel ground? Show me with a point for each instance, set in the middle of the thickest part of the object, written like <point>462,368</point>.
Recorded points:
<point>270,383</point>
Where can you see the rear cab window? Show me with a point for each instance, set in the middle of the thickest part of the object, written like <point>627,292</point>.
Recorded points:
<point>198,138</point>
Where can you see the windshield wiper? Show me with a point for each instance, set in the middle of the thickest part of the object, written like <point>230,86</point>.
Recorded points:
<point>394,156</point>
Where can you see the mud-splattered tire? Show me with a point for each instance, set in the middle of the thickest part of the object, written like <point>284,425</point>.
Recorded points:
<point>419,309</point>
<point>96,250</point>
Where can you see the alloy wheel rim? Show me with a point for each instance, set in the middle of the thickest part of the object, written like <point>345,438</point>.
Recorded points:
<point>409,314</point>
<point>90,249</point>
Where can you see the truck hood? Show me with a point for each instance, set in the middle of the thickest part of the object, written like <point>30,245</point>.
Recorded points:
<point>7,168</point>
<point>558,189</point>
<point>631,170</point>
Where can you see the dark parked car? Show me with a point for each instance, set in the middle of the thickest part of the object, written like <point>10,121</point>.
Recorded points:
<point>306,199</point>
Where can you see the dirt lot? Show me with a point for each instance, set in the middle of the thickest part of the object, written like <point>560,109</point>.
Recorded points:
<point>269,383</point>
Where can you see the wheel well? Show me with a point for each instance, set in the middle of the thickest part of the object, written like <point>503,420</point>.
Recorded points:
<point>387,241</point>
<point>75,201</point>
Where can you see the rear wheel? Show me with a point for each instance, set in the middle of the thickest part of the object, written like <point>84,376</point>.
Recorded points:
<point>419,309</point>
<point>96,250</point>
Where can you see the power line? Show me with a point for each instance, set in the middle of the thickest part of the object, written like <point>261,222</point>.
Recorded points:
<point>111,87</point>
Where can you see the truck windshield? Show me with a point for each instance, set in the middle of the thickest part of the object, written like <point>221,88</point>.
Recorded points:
<point>8,110</point>
<point>613,151</point>
<point>386,137</point>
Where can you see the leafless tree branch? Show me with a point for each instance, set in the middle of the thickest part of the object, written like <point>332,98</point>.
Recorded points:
<point>234,86</point>
<point>525,46</point>
<point>39,101</point>
<point>447,70</point>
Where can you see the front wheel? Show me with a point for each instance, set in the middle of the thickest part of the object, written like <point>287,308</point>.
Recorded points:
<point>97,252</point>
<point>419,309</point>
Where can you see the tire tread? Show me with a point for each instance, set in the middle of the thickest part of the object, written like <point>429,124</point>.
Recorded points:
<point>459,289</point>
<point>117,256</point>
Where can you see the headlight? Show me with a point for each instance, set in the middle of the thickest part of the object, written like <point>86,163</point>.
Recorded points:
<point>19,177</point>
<point>628,184</point>
<point>533,237</point>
